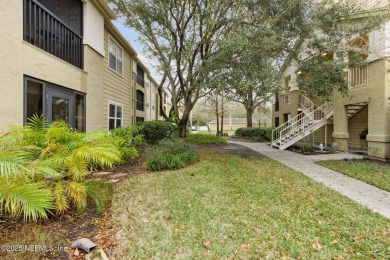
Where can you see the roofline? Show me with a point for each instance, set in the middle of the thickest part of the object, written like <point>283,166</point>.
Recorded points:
<point>113,30</point>
<point>103,6</point>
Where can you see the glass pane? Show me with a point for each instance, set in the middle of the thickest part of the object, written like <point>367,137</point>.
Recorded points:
<point>34,102</point>
<point>80,112</point>
<point>111,46</point>
<point>118,123</point>
<point>111,124</point>
<point>119,54</point>
<point>119,67</point>
<point>119,112</point>
<point>112,61</point>
<point>112,110</point>
<point>60,109</point>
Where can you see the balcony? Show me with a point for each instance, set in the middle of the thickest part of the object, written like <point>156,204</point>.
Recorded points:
<point>358,76</point>
<point>46,31</point>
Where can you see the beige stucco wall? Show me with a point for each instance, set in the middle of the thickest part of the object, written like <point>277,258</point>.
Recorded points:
<point>376,94</point>
<point>318,136</point>
<point>291,108</point>
<point>19,58</point>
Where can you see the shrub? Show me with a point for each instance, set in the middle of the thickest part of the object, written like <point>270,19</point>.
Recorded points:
<point>255,133</point>
<point>43,167</point>
<point>126,138</point>
<point>205,139</point>
<point>169,154</point>
<point>155,131</point>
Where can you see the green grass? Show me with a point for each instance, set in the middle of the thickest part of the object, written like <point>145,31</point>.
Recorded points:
<point>226,207</point>
<point>205,139</point>
<point>376,175</point>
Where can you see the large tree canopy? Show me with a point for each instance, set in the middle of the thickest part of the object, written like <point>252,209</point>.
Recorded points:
<point>182,35</point>
<point>202,45</point>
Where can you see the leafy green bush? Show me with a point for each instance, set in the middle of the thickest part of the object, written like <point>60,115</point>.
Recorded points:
<point>126,138</point>
<point>169,154</point>
<point>205,139</point>
<point>155,131</point>
<point>254,133</point>
<point>43,168</point>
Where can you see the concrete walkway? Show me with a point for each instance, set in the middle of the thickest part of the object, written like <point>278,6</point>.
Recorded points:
<point>373,198</point>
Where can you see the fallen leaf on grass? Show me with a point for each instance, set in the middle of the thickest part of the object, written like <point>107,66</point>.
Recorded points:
<point>206,243</point>
<point>244,247</point>
<point>317,246</point>
<point>356,239</point>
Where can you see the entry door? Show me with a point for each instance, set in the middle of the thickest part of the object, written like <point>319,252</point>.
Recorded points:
<point>60,106</point>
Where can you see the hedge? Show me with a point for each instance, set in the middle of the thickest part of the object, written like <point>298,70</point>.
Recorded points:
<point>255,133</point>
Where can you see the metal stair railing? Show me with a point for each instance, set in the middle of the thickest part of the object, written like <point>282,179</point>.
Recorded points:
<point>299,124</point>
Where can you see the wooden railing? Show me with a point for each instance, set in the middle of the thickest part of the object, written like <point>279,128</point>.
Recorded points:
<point>358,76</point>
<point>47,32</point>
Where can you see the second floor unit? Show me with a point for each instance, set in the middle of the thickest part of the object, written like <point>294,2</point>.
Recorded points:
<point>66,60</point>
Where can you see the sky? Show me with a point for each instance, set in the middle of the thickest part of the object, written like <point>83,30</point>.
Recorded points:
<point>131,36</point>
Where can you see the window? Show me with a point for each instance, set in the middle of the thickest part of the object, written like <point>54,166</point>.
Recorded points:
<point>140,76</point>
<point>115,56</point>
<point>139,119</point>
<point>276,121</point>
<point>115,116</point>
<point>277,103</point>
<point>140,100</point>
<point>34,99</point>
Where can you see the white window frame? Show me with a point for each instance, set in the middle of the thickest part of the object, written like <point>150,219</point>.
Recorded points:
<point>116,46</point>
<point>116,104</point>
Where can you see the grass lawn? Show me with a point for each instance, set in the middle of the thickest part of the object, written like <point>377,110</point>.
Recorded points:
<point>226,207</point>
<point>376,175</point>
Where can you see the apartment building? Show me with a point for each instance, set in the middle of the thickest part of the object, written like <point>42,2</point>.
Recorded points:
<point>358,122</point>
<point>66,60</point>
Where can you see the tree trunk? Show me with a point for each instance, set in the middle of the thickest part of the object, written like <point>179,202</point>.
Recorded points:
<point>249,113</point>
<point>221,132</point>
<point>183,127</point>
<point>217,113</point>
<point>184,120</point>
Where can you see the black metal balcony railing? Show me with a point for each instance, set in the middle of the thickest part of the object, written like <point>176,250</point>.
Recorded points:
<point>140,81</point>
<point>44,30</point>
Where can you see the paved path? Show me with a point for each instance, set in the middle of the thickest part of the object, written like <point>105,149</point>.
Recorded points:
<point>373,198</point>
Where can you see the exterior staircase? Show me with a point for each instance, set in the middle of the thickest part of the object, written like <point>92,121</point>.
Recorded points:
<point>300,126</point>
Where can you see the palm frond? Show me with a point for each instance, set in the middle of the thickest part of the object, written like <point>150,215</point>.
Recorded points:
<point>99,154</point>
<point>12,163</point>
<point>37,123</point>
<point>59,132</point>
<point>32,200</point>
<point>46,168</point>
<point>96,136</point>
<point>77,167</point>
<point>77,192</point>
<point>60,199</point>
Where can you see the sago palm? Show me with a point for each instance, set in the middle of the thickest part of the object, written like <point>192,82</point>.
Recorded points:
<point>42,167</point>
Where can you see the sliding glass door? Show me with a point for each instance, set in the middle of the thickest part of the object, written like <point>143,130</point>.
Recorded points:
<point>55,103</point>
